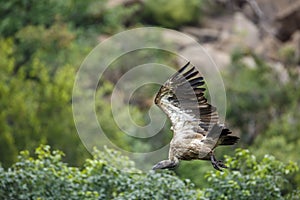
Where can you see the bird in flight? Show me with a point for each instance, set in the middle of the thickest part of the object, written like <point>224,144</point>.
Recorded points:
<point>195,123</point>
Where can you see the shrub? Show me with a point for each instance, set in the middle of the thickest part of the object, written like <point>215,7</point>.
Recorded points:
<point>172,14</point>
<point>109,175</point>
<point>251,179</point>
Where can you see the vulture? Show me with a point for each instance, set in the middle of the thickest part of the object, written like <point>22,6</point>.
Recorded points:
<point>195,123</point>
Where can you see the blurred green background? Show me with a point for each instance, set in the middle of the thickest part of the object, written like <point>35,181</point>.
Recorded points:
<point>42,44</point>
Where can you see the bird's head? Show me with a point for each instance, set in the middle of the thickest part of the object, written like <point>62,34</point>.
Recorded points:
<point>166,164</point>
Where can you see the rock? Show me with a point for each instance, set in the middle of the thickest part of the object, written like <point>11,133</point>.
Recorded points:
<point>114,3</point>
<point>290,51</point>
<point>271,8</point>
<point>200,58</point>
<point>103,37</point>
<point>288,21</point>
<point>296,43</point>
<point>274,17</point>
<point>279,68</point>
<point>242,33</point>
<point>202,34</point>
<point>280,17</point>
<point>268,47</point>
<point>247,33</point>
<point>174,38</point>
<point>249,62</point>
<point>218,22</point>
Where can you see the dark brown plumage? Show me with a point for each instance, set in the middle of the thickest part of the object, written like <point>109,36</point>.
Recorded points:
<point>195,123</point>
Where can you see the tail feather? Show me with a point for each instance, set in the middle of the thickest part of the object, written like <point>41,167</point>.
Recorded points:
<point>229,140</point>
<point>225,137</point>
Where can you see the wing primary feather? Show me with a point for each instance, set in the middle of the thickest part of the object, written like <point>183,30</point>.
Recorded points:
<point>188,72</point>
<point>182,99</point>
<point>197,84</point>
<point>192,75</point>
<point>199,91</point>
<point>184,67</point>
<point>197,81</point>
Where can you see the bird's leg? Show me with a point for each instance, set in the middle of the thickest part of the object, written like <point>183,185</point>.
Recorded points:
<point>217,164</point>
<point>214,162</point>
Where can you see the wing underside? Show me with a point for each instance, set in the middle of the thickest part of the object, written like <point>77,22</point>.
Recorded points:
<point>182,99</point>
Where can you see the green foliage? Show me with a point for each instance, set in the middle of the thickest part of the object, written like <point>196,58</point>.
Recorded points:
<point>108,175</point>
<point>45,43</point>
<point>248,178</point>
<point>114,19</point>
<point>93,14</point>
<point>7,148</point>
<point>42,44</point>
<point>283,140</point>
<point>43,177</point>
<point>260,97</point>
<point>110,128</point>
<point>288,54</point>
<point>172,14</point>
<point>50,27</point>
<point>17,14</point>
<point>264,108</point>
<point>283,135</point>
<point>252,99</point>
<point>36,107</point>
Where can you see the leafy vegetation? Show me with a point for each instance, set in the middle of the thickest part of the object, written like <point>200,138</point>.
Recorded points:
<point>41,48</point>
<point>249,178</point>
<point>172,13</point>
<point>36,107</point>
<point>109,175</point>
<point>265,108</point>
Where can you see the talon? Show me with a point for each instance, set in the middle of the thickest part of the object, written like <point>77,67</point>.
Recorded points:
<point>215,163</point>
<point>221,164</point>
<point>216,166</point>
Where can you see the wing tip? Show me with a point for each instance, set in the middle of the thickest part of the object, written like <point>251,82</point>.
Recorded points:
<point>184,67</point>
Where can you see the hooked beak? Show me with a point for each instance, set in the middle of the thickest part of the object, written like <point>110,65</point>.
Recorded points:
<point>165,164</point>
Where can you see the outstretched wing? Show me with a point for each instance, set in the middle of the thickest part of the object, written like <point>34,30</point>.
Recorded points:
<point>182,99</point>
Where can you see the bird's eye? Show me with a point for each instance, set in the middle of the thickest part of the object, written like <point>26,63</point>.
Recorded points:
<point>170,98</point>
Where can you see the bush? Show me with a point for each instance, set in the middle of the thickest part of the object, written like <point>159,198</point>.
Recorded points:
<point>172,14</point>
<point>85,14</point>
<point>41,46</point>
<point>251,179</point>
<point>34,99</point>
<point>264,107</point>
<point>108,175</point>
